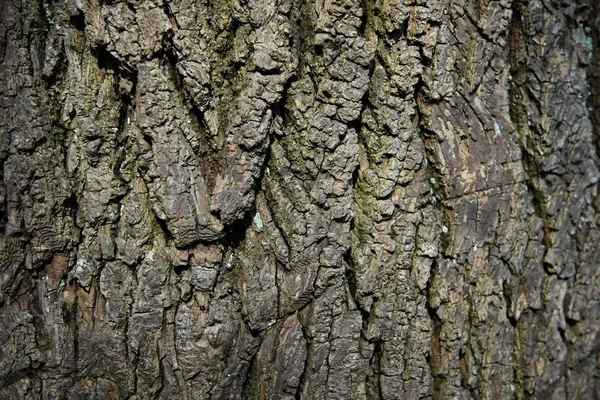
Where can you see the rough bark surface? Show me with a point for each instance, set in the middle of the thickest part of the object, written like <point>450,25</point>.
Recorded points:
<point>319,199</point>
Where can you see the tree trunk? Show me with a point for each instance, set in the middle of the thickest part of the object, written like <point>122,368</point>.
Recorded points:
<point>320,199</point>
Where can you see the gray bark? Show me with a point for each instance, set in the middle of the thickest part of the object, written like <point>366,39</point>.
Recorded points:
<point>320,199</point>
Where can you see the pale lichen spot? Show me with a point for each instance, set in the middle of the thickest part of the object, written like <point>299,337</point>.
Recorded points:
<point>229,260</point>
<point>590,45</point>
<point>79,266</point>
<point>150,255</point>
<point>258,223</point>
<point>497,130</point>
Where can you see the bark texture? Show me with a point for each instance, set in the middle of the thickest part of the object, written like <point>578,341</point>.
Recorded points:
<point>319,199</point>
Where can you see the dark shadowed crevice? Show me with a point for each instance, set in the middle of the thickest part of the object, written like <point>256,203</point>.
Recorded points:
<point>249,387</point>
<point>351,278</point>
<point>235,233</point>
<point>435,355</point>
<point>162,224</point>
<point>77,21</point>
<point>364,21</point>
<point>106,60</point>
<point>279,109</point>
<point>300,395</point>
<point>161,369</point>
<point>373,383</point>
<point>507,292</point>
<point>3,202</point>
<point>180,269</point>
<point>398,34</point>
<point>123,145</point>
<point>72,206</point>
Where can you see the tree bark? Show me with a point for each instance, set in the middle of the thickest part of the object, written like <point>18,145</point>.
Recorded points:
<point>320,199</point>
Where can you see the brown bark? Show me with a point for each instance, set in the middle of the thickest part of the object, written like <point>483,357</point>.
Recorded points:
<point>321,199</point>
